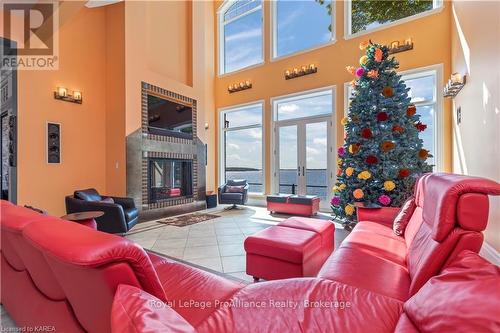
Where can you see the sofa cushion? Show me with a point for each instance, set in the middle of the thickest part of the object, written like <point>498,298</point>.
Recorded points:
<point>305,305</point>
<point>302,199</point>
<point>466,295</point>
<point>232,196</point>
<point>288,244</point>
<point>362,269</point>
<point>370,238</point>
<point>184,285</point>
<point>235,189</point>
<point>282,198</point>
<point>108,200</point>
<point>89,194</point>
<point>134,310</point>
<point>404,216</point>
<point>236,182</point>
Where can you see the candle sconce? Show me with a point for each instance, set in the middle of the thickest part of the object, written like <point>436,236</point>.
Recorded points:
<point>298,72</point>
<point>239,86</point>
<point>62,94</point>
<point>397,47</point>
<point>454,85</point>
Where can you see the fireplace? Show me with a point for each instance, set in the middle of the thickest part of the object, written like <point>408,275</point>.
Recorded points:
<point>169,179</point>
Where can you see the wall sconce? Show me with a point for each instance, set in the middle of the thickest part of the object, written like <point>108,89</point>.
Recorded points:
<point>454,85</point>
<point>62,94</point>
<point>397,47</point>
<point>239,86</point>
<point>304,70</point>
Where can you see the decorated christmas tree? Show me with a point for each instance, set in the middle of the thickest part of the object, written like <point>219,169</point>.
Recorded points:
<point>382,155</point>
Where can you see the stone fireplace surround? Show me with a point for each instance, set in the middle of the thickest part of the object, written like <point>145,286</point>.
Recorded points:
<point>142,145</point>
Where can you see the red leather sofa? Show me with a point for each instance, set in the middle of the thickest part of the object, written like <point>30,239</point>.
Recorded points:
<point>61,274</point>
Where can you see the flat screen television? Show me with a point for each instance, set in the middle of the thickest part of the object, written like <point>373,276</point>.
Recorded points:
<point>169,118</point>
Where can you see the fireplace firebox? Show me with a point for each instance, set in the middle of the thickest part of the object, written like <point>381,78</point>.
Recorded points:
<point>169,179</point>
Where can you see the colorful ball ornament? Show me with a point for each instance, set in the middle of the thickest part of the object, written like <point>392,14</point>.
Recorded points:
<point>364,44</point>
<point>388,92</point>
<point>411,110</point>
<point>341,151</point>
<point>349,210</point>
<point>354,148</point>
<point>335,201</point>
<point>364,175</point>
<point>423,154</point>
<point>387,146</point>
<point>377,55</point>
<point>344,121</point>
<point>370,159</point>
<point>403,173</point>
<point>363,60</point>
<point>384,199</point>
<point>398,129</point>
<point>373,74</point>
<point>420,127</point>
<point>351,69</point>
<point>360,71</point>
<point>349,171</point>
<point>366,133</point>
<point>382,116</point>
<point>389,185</point>
<point>358,193</point>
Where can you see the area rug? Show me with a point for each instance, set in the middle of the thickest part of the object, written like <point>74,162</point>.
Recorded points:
<point>185,220</point>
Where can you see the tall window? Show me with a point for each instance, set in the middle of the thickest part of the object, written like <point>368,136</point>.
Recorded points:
<point>241,145</point>
<point>423,93</point>
<point>300,25</point>
<point>369,14</point>
<point>240,35</point>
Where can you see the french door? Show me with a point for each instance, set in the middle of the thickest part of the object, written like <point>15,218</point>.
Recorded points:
<point>303,163</point>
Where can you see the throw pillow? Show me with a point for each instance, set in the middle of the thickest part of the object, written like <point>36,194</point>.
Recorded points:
<point>465,297</point>
<point>108,200</point>
<point>404,216</point>
<point>235,189</point>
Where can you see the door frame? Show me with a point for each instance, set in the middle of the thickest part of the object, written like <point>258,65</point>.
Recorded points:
<point>331,138</point>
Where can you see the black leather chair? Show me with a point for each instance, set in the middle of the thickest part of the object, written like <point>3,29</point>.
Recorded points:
<point>120,214</point>
<point>232,198</point>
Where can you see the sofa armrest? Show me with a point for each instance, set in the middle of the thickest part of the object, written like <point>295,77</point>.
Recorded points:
<point>383,215</point>
<point>126,203</point>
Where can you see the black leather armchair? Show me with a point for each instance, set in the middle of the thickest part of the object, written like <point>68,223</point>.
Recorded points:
<point>120,214</point>
<point>232,198</point>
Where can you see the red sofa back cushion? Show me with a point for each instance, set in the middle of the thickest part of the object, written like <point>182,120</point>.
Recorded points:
<point>134,310</point>
<point>464,297</point>
<point>89,266</point>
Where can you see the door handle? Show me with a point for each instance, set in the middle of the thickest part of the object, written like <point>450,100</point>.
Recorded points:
<point>298,171</point>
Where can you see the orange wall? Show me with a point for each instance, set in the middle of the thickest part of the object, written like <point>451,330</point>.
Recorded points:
<point>432,46</point>
<point>475,52</point>
<point>81,66</point>
<point>115,100</point>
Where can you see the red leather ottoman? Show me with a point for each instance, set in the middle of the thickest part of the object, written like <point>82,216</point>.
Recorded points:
<point>304,205</point>
<point>294,249</point>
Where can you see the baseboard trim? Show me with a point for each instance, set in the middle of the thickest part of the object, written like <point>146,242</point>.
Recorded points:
<point>488,252</point>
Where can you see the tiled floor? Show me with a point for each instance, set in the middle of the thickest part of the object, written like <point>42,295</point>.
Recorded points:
<point>216,244</point>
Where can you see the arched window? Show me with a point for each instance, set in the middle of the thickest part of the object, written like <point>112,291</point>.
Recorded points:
<point>240,35</point>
